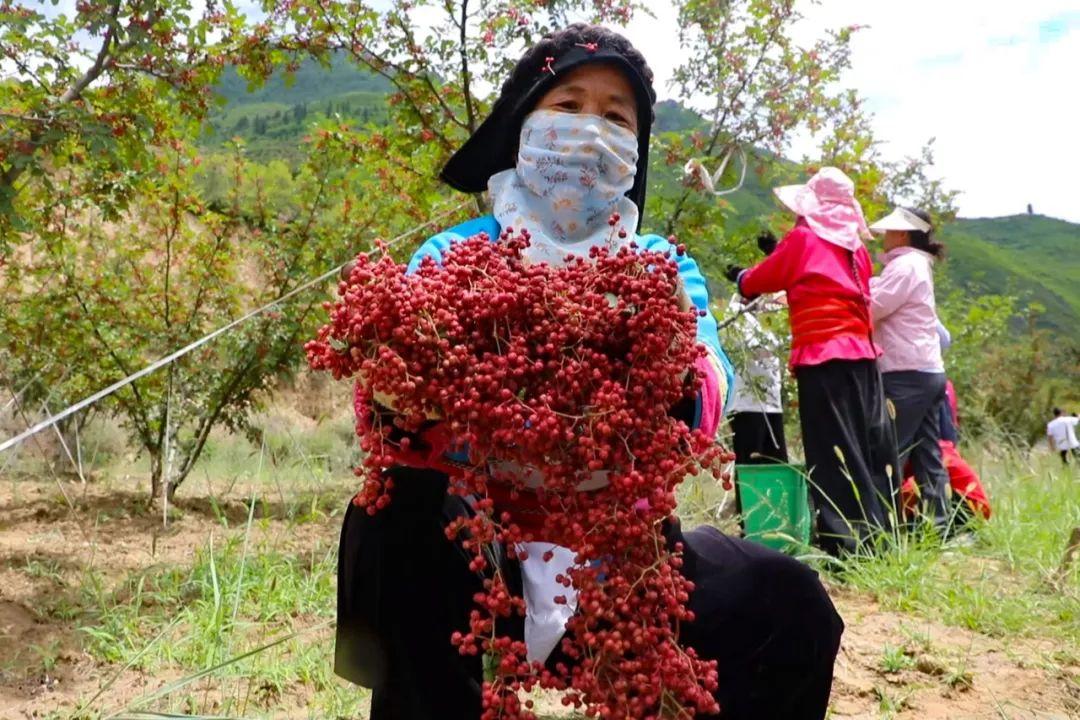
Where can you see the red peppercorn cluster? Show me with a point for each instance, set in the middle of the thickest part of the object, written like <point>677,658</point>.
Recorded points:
<point>555,379</point>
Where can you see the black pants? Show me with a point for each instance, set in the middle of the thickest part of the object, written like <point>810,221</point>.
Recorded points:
<point>917,398</point>
<point>759,438</point>
<point>403,589</point>
<point>1066,453</point>
<point>850,451</point>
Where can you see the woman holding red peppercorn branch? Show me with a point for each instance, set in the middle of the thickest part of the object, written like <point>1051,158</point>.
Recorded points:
<point>564,155</point>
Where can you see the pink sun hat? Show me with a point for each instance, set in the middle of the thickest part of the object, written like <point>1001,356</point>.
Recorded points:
<point>830,208</point>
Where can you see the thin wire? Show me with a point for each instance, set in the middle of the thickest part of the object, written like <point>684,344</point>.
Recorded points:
<point>64,445</point>
<point>48,463</point>
<point>172,357</point>
<point>15,396</point>
<point>17,403</point>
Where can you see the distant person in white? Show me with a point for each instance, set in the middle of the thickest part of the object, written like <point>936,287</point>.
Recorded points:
<point>1061,434</point>
<point>757,418</point>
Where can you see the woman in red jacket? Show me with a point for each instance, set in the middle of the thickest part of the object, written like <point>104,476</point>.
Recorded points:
<point>848,439</point>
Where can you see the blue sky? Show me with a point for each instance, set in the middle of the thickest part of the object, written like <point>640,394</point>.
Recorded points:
<point>997,83</point>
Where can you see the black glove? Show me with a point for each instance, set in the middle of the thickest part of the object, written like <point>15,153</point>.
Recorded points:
<point>766,242</point>
<point>732,273</point>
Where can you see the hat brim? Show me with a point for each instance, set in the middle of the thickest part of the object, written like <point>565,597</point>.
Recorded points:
<point>789,197</point>
<point>492,148</point>
<point>895,220</point>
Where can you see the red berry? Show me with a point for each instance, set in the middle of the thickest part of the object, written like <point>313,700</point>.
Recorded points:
<point>569,370</point>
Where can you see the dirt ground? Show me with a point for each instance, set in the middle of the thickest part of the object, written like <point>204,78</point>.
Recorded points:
<point>948,672</point>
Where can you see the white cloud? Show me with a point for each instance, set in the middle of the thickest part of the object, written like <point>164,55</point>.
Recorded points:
<point>996,87</point>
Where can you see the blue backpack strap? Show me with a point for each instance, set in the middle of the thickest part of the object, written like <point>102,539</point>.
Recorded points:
<point>438,244</point>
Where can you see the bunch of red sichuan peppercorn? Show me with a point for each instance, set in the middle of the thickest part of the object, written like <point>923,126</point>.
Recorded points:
<point>558,383</point>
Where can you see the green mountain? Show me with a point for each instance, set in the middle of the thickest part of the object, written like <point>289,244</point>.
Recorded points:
<point>1032,256</point>
<point>673,117</point>
<point>272,118</point>
<point>310,83</point>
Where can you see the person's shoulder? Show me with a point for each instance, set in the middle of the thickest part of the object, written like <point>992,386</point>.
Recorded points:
<point>802,239</point>
<point>483,224</point>
<point>654,243</point>
<point>913,260</point>
<point>802,233</point>
<point>908,264</point>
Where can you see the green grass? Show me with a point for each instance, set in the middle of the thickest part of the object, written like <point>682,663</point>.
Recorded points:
<point>258,616</point>
<point>243,628</point>
<point>895,659</point>
<point>1006,582</point>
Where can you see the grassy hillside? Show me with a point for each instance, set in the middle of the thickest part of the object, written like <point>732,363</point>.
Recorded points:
<point>673,117</point>
<point>310,83</point>
<point>272,119</point>
<point>1033,256</point>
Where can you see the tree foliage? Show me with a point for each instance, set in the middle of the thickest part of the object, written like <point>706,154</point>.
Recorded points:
<point>101,90</point>
<point>100,296</point>
<point>121,242</point>
<point>756,86</point>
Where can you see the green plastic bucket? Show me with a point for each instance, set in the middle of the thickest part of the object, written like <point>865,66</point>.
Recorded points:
<point>774,506</point>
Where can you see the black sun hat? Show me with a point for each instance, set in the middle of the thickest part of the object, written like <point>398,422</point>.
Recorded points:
<point>493,147</point>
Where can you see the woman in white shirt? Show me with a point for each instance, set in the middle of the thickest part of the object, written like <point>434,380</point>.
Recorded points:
<point>905,326</point>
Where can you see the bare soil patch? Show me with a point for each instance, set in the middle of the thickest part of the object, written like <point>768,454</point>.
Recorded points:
<point>892,665</point>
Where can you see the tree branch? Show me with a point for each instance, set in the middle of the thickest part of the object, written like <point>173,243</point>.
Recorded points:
<point>207,421</point>
<point>94,71</point>
<point>13,173</point>
<point>466,73</point>
<point>426,77</point>
<point>378,64</point>
<point>718,129</point>
<point>142,423</point>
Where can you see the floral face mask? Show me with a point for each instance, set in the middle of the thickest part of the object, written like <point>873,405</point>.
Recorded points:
<point>572,173</point>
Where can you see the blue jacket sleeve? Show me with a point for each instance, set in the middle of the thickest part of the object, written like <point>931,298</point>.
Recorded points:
<point>697,290</point>
<point>436,246</point>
